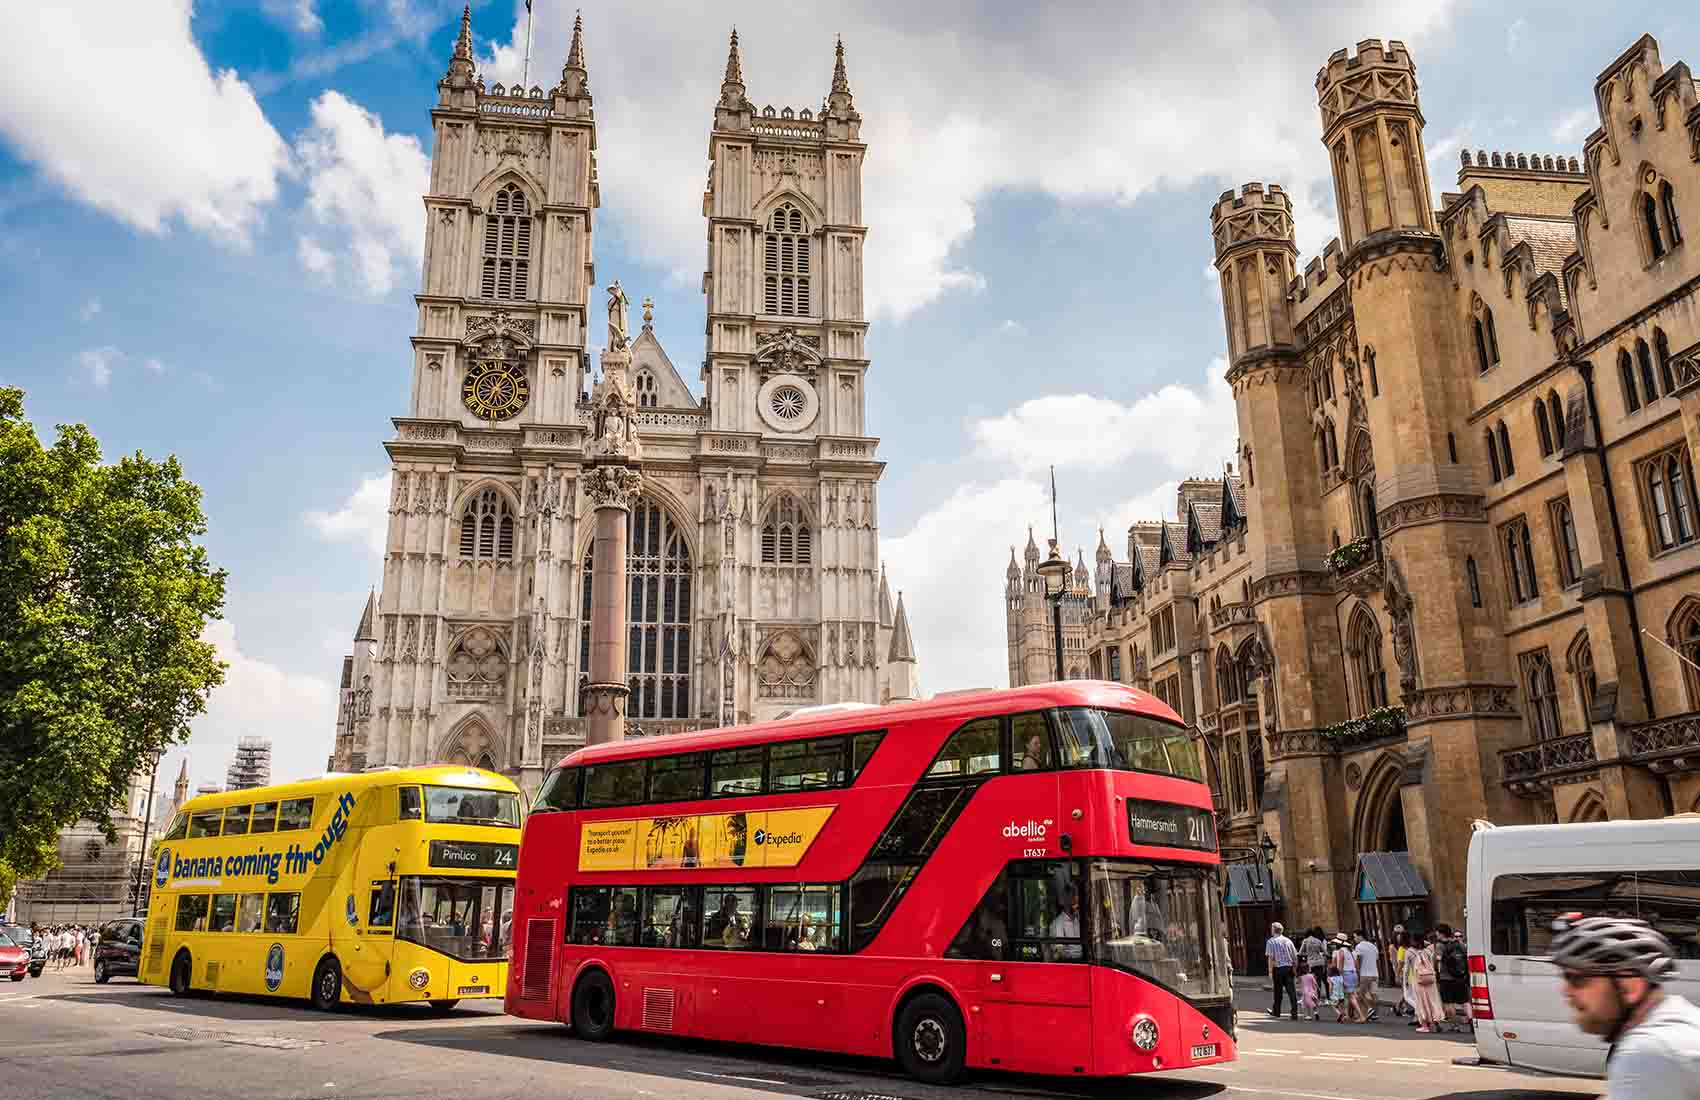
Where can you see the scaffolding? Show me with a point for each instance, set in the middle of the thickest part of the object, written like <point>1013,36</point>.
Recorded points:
<point>251,766</point>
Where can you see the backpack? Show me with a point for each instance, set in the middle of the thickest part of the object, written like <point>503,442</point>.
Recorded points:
<point>1453,964</point>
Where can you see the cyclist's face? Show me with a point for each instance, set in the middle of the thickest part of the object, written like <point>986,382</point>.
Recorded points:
<point>1598,1000</point>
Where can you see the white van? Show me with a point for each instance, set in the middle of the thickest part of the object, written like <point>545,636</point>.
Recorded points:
<point>1521,878</point>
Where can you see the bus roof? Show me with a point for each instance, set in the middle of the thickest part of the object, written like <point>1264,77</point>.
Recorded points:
<point>450,775</point>
<point>969,704</point>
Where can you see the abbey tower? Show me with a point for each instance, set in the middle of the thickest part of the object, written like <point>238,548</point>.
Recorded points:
<point>755,583</point>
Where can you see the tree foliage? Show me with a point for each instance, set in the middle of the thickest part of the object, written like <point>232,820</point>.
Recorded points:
<point>104,593</point>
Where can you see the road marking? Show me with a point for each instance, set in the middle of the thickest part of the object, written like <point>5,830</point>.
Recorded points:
<point>1270,1053</point>
<point>1410,1062</point>
<point>1334,1057</point>
<point>1284,1092</point>
<point>736,1077</point>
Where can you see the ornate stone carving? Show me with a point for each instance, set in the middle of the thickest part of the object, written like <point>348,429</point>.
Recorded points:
<point>1535,767</point>
<point>1467,700</point>
<point>1294,583</point>
<point>1400,606</point>
<point>1431,509</point>
<point>1354,777</point>
<point>619,321</point>
<point>786,669</point>
<point>477,666</point>
<point>612,486</point>
<point>1667,745</point>
<point>1286,744</point>
<point>427,433</point>
<point>785,352</point>
<point>500,324</point>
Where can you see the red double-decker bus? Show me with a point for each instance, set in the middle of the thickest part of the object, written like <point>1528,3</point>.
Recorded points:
<point>1023,880</point>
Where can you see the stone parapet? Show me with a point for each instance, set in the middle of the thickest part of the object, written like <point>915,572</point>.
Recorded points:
<point>1532,768</point>
<point>1447,702</point>
<point>1667,745</point>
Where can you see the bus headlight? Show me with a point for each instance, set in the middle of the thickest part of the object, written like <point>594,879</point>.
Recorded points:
<point>1144,1034</point>
<point>419,978</point>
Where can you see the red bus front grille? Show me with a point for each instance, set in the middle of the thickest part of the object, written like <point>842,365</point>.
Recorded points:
<point>539,965</point>
<point>658,1009</point>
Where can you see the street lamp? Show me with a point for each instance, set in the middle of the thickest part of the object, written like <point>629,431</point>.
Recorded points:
<point>1055,569</point>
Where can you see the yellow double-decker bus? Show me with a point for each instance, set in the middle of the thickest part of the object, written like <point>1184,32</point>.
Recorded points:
<point>375,888</point>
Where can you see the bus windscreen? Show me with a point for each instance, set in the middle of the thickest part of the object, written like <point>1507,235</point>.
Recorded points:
<point>1097,738</point>
<point>1160,921</point>
<point>470,806</point>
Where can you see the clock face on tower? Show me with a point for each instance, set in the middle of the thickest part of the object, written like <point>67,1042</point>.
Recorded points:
<point>495,390</point>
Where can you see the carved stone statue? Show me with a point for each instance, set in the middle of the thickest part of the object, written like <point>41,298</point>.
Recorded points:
<point>1399,609</point>
<point>619,325</point>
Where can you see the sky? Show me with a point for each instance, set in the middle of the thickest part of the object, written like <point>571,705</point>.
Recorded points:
<point>209,250</point>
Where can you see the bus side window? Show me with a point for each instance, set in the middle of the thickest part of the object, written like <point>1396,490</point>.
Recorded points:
<point>265,817</point>
<point>862,746</point>
<point>409,804</point>
<point>236,821</point>
<point>677,778</point>
<point>382,912</point>
<point>975,749</point>
<point>223,913</point>
<point>191,912</point>
<point>560,791</point>
<point>248,917</point>
<point>590,906</point>
<point>1030,742</point>
<point>985,935</point>
<point>617,784</point>
<point>179,828</point>
<point>204,823</point>
<point>282,911</point>
<point>297,813</point>
<point>737,771</point>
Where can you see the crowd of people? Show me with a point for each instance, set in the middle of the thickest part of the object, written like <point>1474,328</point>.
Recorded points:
<point>67,944</point>
<point>1346,973</point>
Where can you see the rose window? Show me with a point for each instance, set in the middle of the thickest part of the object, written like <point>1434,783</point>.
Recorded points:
<point>788,402</point>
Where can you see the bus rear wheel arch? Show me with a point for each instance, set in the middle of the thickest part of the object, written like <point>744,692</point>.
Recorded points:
<point>928,1036</point>
<point>593,1005</point>
<point>326,993</point>
<point>180,975</point>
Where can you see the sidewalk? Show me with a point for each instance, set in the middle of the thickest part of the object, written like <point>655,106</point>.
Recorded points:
<point>1256,991</point>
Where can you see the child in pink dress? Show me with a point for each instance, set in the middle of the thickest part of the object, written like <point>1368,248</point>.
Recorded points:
<point>1307,994</point>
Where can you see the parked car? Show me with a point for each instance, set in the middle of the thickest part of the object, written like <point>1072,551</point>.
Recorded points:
<point>14,960</point>
<point>120,950</point>
<point>29,941</point>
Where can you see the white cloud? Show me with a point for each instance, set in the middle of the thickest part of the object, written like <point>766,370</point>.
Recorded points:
<point>1515,34</point>
<point>364,185</point>
<point>363,518</point>
<point>1106,108</point>
<point>298,16</point>
<point>153,365</point>
<point>314,258</point>
<point>98,363</point>
<point>261,699</point>
<point>1573,126</point>
<point>160,137</point>
<point>1177,426</point>
<point>90,309</point>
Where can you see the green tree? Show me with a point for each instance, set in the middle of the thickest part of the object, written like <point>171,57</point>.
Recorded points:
<point>104,592</point>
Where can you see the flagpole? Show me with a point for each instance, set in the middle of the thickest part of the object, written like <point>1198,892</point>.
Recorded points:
<point>525,78</point>
<point>1677,653</point>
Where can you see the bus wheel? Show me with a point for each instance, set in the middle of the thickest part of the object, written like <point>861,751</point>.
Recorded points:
<point>327,985</point>
<point>179,980</point>
<point>930,1039</point>
<point>593,1006</point>
<point>445,1006</point>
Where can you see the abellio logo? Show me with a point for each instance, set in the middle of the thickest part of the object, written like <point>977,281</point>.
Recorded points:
<point>162,869</point>
<point>274,967</point>
<point>1028,830</point>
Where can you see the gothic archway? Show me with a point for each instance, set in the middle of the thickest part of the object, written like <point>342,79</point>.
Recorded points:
<point>1590,807</point>
<point>472,744</point>
<point>1380,824</point>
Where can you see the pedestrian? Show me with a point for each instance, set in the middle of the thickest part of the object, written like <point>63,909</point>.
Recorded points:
<point>82,942</point>
<point>1307,994</point>
<point>1336,993</point>
<point>1368,957</point>
<point>1429,1009</point>
<point>1452,976</point>
<point>1407,983</point>
<point>1313,956</point>
<point>1343,961</point>
<point>1282,957</point>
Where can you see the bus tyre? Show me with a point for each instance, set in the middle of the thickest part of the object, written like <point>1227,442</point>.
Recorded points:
<point>445,1005</point>
<point>593,1006</point>
<point>100,974</point>
<point>179,979</point>
<point>327,985</point>
<point>931,1042</point>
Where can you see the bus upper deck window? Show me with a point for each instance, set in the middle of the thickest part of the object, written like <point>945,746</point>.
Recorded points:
<point>409,803</point>
<point>265,817</point>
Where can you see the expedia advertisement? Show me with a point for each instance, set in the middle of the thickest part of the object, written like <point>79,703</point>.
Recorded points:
<point>769,838</point>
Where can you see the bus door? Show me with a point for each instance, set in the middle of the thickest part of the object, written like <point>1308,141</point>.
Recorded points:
<point>366,965</point>
<point>1037,998</point>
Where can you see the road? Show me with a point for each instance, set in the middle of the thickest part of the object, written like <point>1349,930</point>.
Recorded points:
<point>64,1037</point>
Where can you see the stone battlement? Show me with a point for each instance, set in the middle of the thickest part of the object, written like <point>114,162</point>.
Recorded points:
<point>1371,55</point>
<point>1251,194</point>
<point>1319,271</point>
<point>1522,162</point>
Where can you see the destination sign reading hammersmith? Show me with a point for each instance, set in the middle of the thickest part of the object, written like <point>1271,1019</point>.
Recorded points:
<point>1170,825</point>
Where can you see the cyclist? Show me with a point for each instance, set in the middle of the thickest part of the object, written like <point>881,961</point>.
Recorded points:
<point>1614,971</point>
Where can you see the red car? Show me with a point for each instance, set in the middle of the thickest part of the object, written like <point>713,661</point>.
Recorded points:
<point>14,960</point>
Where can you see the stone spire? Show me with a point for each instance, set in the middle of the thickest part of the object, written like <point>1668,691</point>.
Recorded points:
<point>1032,549</point>
<point>180,793</point>
<point>460,64</point>
<point>363,632</point>
<point>575,78</point>
<point>839,102</point>
<point>902,645</point>
<point>732,97</point>
<point>1014,570</point>
<point>885,599</point>
<point>1081,576</point>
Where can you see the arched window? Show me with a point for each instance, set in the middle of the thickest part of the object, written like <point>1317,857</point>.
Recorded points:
<point>1650,220</point>
<point>647,394</point>
<point>1451,448</point>
<point>786,264</point>
<point>1487,341</point>
<point>1661,349</point>
<point>1475,582</point>
<point>1541,693</point>
<point>1649,384</point>
<point>1333,447</point>
<point>487,527</point>
<point>1541,429</point>
<point>1556,410</point>
<point>1519,560</point>
<point>1626,371</point>
<point>1564,530</point>
<point>1667,480</point>
<point>658,615</point>
<point>1493,455</point>
<point>1227,679</point>
<point>1369,365</point>
<point>785,535</point>
<point>1667,206</point>
<point>1582,668</point>
<point>1685,637</point>
<point>1364,650</point>
<point>1505,450</point>
<point>507,247</point>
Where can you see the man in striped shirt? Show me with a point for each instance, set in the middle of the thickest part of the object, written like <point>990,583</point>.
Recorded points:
<point>1282,957</point>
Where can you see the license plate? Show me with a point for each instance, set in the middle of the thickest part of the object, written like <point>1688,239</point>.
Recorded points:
<point>468,990</point>
<point>1208,1050</point>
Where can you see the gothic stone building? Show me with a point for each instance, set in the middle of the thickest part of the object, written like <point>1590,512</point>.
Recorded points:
<point>755,581</point>
<point>1457,574</point>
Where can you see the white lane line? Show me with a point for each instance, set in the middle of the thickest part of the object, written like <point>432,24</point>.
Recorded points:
<point>1268,1053</point>
<point>1334,1057</point>
<point>1410,1062</point>
<point>1285,1092</point>
<point>1271,1050</point>
<point>735,1077</point>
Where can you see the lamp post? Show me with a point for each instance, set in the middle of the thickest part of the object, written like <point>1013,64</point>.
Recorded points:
<point>1056,572</point>
<point>142,858</point>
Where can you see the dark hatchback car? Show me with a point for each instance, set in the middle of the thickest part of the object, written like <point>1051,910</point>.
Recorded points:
<point>120,949</point>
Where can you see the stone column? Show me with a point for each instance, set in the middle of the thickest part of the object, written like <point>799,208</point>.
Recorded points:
<point>612,490</point>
